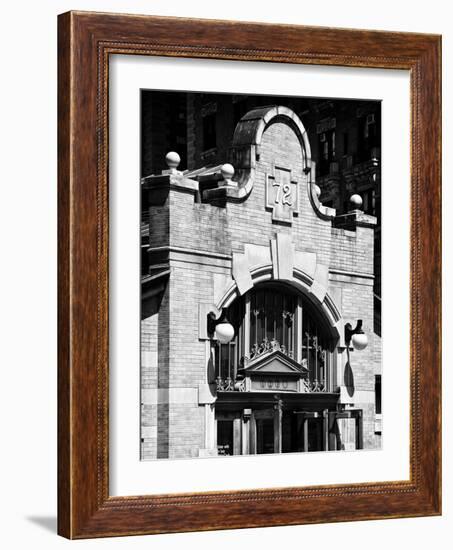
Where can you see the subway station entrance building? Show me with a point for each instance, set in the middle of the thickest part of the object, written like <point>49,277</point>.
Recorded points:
<point>253,248</point>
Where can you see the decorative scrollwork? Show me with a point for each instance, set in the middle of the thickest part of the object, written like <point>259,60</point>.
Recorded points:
<point>219,383</point>
<point>317,386</point>
<point>313,386</point>
<point>318,349</point>
<point>228,384</point>
<point>288,316</point>
<point>265,346</point>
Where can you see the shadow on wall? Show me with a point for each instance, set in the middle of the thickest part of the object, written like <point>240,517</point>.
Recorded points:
<point>210,370</point>
<point>150,306</point>
<point>349,378</point>
<point>339,445</point>
<point>163,428</point>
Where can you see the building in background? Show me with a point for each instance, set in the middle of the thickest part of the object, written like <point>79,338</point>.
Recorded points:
<point>256,268</point>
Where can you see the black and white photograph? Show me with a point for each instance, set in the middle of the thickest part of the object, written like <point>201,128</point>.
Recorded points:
<point>260,274</point>
<point>225,291</point>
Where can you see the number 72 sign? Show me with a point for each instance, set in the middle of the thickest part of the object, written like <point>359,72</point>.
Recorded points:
<point>281,194</point>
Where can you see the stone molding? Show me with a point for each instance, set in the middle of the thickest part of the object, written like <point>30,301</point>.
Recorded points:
<point>347,273</point>
<point>206,394</point>
<point>282,253</point>
<point>354,219</point>
<point>159,187</point>
<point>324,212</point>
<point>170,254</point>
<point>241,273</point>
<point>299,269</point>
<point>190,251</point>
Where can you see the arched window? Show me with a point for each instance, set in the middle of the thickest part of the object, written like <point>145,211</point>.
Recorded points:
<point>274,314</point>
<point>272,317</point>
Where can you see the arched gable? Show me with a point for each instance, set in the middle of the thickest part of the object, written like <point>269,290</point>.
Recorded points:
<point>245,154</point>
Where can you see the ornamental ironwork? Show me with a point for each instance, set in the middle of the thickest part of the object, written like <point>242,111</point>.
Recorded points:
<point>308,385</point>
<point>265,347</point>
<point>313,386</point>
<point>228,384</point>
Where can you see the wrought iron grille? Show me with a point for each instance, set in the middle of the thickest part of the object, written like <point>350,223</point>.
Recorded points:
<point>274,318</point>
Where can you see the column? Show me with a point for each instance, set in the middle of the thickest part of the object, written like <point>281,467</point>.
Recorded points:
<point>237,436</point>
<point>252,442</point>
<point>278,413</point>
<point>305,421</point>
<point>325,430</point>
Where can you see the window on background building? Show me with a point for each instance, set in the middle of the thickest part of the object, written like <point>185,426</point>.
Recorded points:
<point>345,143</point>
<point>327,151</point>
<point>239,110</point>
<point>371,130</point>
<point>378,394</point>
<point>274,314</point>
<point>209,131</point>
<point>368,136</point>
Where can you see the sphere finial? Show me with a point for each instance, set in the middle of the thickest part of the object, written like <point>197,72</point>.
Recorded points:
<point>316,189</point>
<point>227,171</point>
<point>356,201</point>
<point>172,159</point>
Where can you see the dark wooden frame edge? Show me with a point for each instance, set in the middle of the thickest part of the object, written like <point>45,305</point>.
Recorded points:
<point>85,42</point>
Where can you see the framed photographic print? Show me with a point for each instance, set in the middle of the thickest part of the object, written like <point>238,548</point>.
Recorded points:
<point>249,262</point>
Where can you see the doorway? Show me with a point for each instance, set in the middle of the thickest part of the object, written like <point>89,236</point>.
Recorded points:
<point>225,437</point>
<point>264,435</point>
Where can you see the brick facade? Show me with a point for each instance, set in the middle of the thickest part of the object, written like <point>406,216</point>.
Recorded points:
<point>210,242</point>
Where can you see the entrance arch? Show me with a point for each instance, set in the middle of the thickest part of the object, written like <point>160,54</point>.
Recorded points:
<point>280,315</point>
<point>300,282</point>
<point>276,381</point>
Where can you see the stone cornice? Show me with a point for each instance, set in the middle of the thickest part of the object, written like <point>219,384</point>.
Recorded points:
<point>354,219</point>
<point>190,251</point>
<point>159,186</point>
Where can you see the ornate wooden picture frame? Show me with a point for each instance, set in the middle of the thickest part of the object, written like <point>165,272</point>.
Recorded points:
<point>85,507</point>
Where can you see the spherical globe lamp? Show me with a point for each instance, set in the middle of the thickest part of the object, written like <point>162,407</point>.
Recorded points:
<point>359,341</point>
<point>224,332</point>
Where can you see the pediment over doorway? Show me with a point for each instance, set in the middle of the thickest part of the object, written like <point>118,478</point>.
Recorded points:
<point>275,362</point>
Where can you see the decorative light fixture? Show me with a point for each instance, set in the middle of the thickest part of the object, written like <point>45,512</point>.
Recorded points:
<point>355,336</point>
<point>220,329</point>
